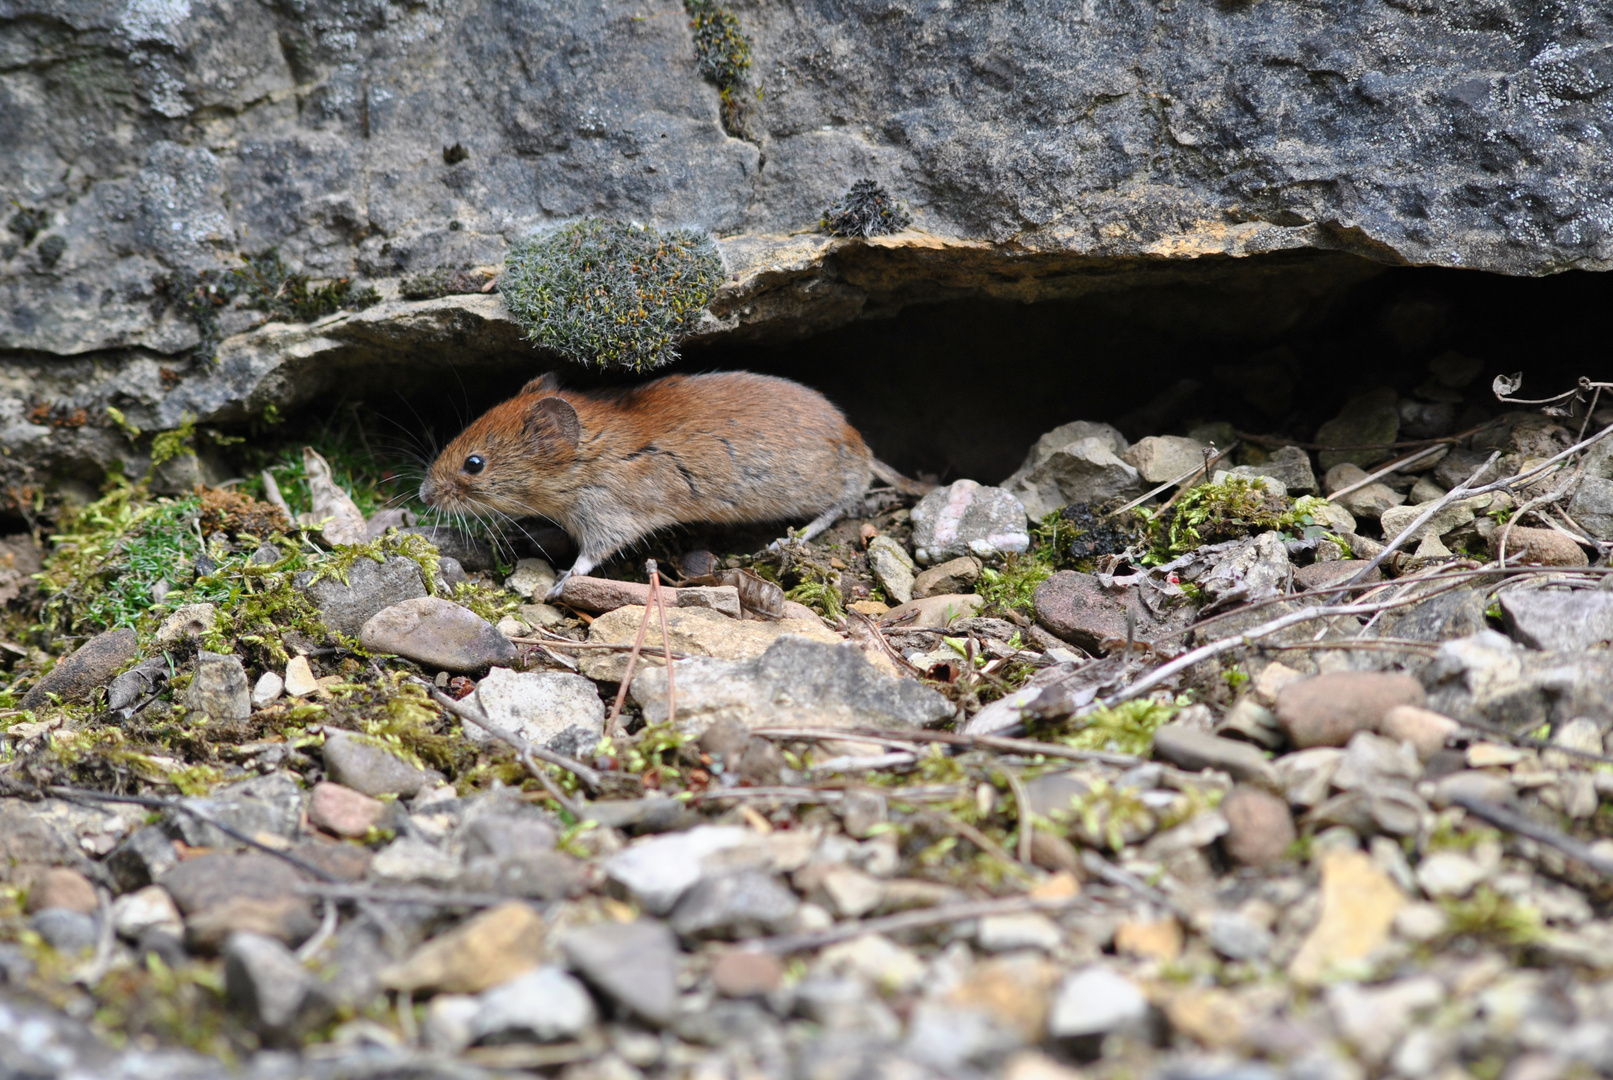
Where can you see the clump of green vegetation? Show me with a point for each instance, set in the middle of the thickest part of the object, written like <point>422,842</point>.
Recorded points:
<point>270,286</point>
<point>1231,510</point>
<point>609,294</point>
<point>866,210</point>
<point>27,222</point>
<point>722,52</point>
<point>111,554</point>
<point>199,295</point>
<point>51,249</point>
<point>1492,917</point>
<point>1127,728</point>
<point>443,281</point>
<point>1072,538</point>
<point>1013,585</point>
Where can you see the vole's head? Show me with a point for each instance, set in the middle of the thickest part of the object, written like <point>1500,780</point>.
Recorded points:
<point>511,460</point>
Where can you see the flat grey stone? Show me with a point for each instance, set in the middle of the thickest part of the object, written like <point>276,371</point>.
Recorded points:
<point>966,518</point>
<point>370,588</point>
<point>66,930</point>
<point>553,709</point>
<point>1095,1001</point>
<point>437,634</point>
<point>734,906</point>
<point>368,768</point>
<point>219,688</point>
<point>545,1004</point>
<point>276,995</point>
<point>795,682</point>
<point>84,670</point>
<point>1563,621</point>
<point>634,965</point>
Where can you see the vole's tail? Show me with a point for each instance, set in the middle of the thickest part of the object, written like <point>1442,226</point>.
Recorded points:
<point>901,483</point>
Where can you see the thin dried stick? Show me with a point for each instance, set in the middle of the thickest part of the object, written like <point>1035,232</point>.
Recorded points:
<point>666,643</point>
<point>1513,821</point>
<point>1205,468</point>
<point>1398,463</point>
<point>1022,808</point>
<point>627,677</point>
<point>582,772</point>
<point>1030,747</point>
<point>1405,535</point>
<point>908,920</point>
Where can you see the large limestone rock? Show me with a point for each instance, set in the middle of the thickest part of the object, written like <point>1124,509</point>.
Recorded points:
<point>160,140</point>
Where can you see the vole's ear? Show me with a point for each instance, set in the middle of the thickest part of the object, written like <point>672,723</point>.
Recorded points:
<point>553,417</point>
<point>547,383</point>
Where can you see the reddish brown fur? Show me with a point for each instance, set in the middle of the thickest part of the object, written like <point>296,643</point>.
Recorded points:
<point>728,448</point>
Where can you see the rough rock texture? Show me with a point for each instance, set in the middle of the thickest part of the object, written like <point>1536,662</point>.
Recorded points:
<point>158,139</point>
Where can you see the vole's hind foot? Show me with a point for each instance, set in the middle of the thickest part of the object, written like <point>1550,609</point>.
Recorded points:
<point>559,584</point>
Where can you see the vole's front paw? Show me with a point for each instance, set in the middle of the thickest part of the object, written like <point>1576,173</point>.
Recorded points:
<point>559,583</point>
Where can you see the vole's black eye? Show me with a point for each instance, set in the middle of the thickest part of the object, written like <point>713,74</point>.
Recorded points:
<point>474,464</point>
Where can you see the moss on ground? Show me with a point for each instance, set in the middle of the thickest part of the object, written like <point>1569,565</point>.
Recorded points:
<point>611,295</point>
<point>266,283</point>
<point>1231,510</point>
<point>866,210</point>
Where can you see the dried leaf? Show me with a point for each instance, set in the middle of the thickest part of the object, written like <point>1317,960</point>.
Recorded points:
<point>757,595</point>
<point>1507,384</point>
<point>344,524</point>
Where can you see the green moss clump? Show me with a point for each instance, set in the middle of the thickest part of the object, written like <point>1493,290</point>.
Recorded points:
<point>1489,916</point>
<point>722,52</point>
<point>1231,510</point>
<point>431,284</point>
<point>269,285</point>
<point>1013,585</point>
<point>199,295</point>
<point>866,210</point>
<point>110,554</point>
<point>611,295</point>
<point>27,222</point>
<point>1127,728</point>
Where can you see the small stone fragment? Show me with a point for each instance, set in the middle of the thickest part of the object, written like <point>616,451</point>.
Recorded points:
<point>1259,827</point>
<point>933,612</point>
<point>1426,730</point>
<point>370,588</point>
<point>1199,750</point>
<point>343,811</point>
<point>968,519</point>
<point>1095,1001</point>
<point>1359,903</point>
<point>659,870</point>
<point>953,576</point>
<point>88,668</point>
<point>1077,608</point>
<point>65,930</point>
<point>276,995</point>
<point>219,688</point>
<point>487,949</point>
<point>557,710</point>
<point>61,887</point>
<point>1558,621</point>
<point>1449,873</point>
<point>741,973</point>
<point>300,680</point>
<point>545,1004</point>
<point>267,690</point>
<point>439,634</point>
<point>694,632</point>
<point>733,906</point>
<point>1539,547</point>
<point>189,622</point>
<point>892,568</point>
<point>369,768</point>
<point>146,855</point>
<point>532,578</point>
<point>471,552</point>
<point>633,964</point>
<point>1327,709</point>
<point>1161,458</point>
<point>605,595</point>
<point>145,909</point>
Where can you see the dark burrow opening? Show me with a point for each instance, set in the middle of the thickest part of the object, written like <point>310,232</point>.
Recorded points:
<point>1274,345</point>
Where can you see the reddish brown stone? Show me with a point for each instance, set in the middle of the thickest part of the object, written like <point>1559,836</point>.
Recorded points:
<point>1327,709</point>
<point>740,973</point>
<point>1259,827</point>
